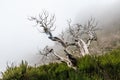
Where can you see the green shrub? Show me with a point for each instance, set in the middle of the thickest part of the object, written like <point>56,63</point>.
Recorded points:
<point>103,67</point>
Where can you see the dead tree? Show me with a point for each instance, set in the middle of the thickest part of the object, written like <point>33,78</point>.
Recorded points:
<point>46,23</point>
<point>77,30</point>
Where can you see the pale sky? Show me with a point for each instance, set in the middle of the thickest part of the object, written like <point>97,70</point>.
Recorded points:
<point>19,40</point>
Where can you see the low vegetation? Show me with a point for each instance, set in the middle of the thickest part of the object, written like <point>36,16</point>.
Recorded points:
<point>104,67</point>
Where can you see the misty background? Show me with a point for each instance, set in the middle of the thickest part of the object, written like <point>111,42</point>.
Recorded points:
<point>20,40</point>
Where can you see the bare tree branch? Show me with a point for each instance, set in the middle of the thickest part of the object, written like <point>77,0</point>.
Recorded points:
<point>70,60</point>
<point>76,31</point>
<point>46,22</point>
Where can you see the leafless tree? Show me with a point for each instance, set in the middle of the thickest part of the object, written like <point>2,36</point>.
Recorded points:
<point>78,30</point>
<point>46,24</point>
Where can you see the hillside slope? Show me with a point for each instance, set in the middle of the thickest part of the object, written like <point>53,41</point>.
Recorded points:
<point>105,67</point>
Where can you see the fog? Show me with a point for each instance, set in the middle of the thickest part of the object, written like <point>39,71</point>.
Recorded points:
<point>19,39</point>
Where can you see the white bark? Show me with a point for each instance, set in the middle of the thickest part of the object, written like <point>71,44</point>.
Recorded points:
<point>85,47</point>
<point>67,60</point>
<point>80,48</point>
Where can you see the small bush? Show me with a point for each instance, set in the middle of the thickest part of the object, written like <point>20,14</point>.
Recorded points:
<point>105,67</point>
